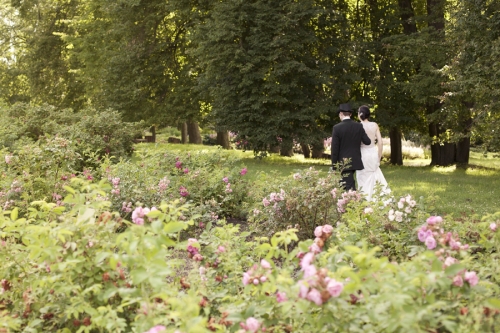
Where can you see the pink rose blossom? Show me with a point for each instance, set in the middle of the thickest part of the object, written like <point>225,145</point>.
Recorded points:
<point>221,249</point>
<point>434,220</point>
<point>156,329</point>
<point>458,281</point>
<point>327,229</point>
<point>303,289</point>
<point>265,202</point>
<point>246,278</point>
<point>281,297</point>
<point>334,287</point>
<point>178,164</point>
<point>243,171</point>
<point>493,226</point>
<point>183,191</point>
<point>430,242</point>
<point>315,296</point>
<point>186,170</point>
<point>318,231</point>
<point>449,261</point>
<point>263,279</point>
<point>307,259</point>
<point>265,264</point>
<point>314,248</point>
<point>472,278</point>
<point>138,215</point>
<point>256,281</point>
<point>252,324</point>
<point>309,271</point>
<point>225,179</point>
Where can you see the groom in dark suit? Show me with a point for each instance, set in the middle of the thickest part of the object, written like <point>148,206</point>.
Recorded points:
<point>346,144</point>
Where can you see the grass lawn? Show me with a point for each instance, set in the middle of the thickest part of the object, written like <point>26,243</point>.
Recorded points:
<point>456,191</point>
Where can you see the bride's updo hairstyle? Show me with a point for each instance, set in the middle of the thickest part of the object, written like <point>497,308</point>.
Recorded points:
<point>364,112</point>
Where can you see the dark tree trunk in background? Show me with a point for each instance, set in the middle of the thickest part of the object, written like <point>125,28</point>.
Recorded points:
<point>274,149</point>
<point>407,16</point>
<point>318,148</point>
<point>194,132</point>
<point>223,139</point>
<point>463,152</point>
<point>286,148</point>
<point>184,133</point>
<point>396,146</point>
<point>305,150</point>
<point>433,133</point>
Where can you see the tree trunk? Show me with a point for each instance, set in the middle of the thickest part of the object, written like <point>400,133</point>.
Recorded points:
<point>223,139</point>
<point>286,148</point>
<point>434,134</point>
<point>194,132</point>
<point>184,133</point>
<point>305,150</point>
<point>274,149</point>
<point>463,152</point>
<point>446,154</point>
<point>407,15</point>
<point>318,148</point>
<point>396,146</point>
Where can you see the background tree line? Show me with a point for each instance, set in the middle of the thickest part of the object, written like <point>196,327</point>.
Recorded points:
<point>273,71</point>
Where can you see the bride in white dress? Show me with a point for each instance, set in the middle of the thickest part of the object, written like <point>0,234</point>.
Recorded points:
<point>371,156</point>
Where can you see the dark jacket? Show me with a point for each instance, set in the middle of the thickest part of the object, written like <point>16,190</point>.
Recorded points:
<point>346,143</point>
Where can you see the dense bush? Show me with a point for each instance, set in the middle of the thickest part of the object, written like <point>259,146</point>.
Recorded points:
<point>91,131</point>
<point>67,269</point>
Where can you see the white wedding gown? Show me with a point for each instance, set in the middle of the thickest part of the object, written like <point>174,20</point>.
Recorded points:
<point>371,174</point>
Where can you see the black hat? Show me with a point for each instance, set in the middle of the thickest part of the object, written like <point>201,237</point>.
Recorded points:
<point>344,108</point>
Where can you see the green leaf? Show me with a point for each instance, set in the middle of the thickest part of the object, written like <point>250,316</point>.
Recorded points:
<point>139,275</point>
<point>14,213</point>
<point>173,227</point>
<point>493,303</point>
<point>454,269</point>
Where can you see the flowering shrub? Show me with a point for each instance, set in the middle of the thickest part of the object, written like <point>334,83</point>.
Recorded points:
<point>303,201</point>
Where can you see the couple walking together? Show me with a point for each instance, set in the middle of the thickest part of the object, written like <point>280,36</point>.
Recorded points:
<point>362,144</point>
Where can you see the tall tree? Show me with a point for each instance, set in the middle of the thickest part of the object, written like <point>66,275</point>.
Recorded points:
<point>257,62</point>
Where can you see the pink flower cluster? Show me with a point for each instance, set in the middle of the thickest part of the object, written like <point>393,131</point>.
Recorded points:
<point>322,233</point>
<point>139,213</point>
<point>250,325</point>
<point>193,250</point>
<point>316,286</point>
<point>346,198</point>
<point>257,273</point>
<point>228,188</point>
<point>115,181</point>
<point>178,165</point>
<point>183,191</point>
<point>274,198</point>
<point>432,235</point>
<point>126,207</point>
<point>163,184</point>
<point>243,171</point>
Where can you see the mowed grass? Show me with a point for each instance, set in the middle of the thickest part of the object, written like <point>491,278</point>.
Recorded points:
<point>456,191</point>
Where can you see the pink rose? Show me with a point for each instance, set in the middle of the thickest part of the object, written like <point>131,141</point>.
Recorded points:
<point>156,329</point>
<point>472,278</point>
<point>430,242</point>
<point>314,248</point>
<point>334,288</point>
<point>307,259</point>
<point>256,281</point>
<point>265,202</point>
<point>318,231</point>
<point>315,296</point>
<point>327,229</point>
<point>252,324</point>
<point>281,297</point>
<point>493,226</point>
<point>303,289</point>
<point>178,164</point>
<point>246,278</point>
<point>265,264</point>
<point>186,170</point>
<point>458,281</point>
<point>449,261</point>
<point>243,171</point>
<point>309,271</point>
<point>221,249</point>
<point>434,220</point>
<point>225,179</point>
